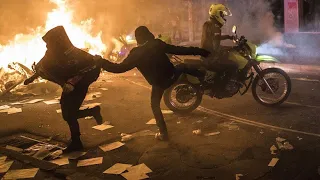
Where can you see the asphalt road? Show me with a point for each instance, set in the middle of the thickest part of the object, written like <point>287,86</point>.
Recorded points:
<point>243,150</point>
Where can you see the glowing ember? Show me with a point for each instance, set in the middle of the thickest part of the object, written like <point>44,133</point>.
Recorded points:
<point>30,48</point>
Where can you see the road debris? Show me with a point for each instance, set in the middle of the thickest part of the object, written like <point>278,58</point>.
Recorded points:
<point>137,172</point>
<point>197,132</point>
<point>283,144</point>
<point>261,132</point>
<point>50,102</point>
<point>88,117</point>
<point>167,112</point>
<point>59,111</point>
<point>11,110</point>
<point>34,101</point>
<point>238,176</point>
<point>273,148</point>
<point>287,146</point>
<point>152,122</point>
<point>42,153</point>
<point>179,122</point>
<point>90,162</point>
<point>56,154</point>
<point>117,168</point>
<point>111,146</point>
<point>21,173</point>
<point>212,134</point>
<point>134,175</point>
<point>232,126</point>
<point>2,159</point>
<point>4,107</point>
<point>61,161</point>
<point>103,126</point>
<point>109,81</point>
<point>5,166</point>
<point>104,89</point>
<point>92,96</point>
<point>273,162</point>
<point>14,148</point>
<point>299,138</point>
<point>279,139</point>
<point>126,137</point>
<point>74,155</point>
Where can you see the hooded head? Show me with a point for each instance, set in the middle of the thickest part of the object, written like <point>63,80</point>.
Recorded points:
<point>143,35</point>
<point>57,40</point>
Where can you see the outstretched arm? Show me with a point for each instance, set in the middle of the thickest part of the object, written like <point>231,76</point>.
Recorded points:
<point>180,50</point>
<point>31,79</point>
<point>129,63</point>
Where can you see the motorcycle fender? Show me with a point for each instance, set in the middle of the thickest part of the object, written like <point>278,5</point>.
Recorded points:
<point>192,79</point>
<point>262,58</point>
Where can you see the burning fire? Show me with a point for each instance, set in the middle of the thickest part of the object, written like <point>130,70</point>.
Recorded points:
<point>27,49</point>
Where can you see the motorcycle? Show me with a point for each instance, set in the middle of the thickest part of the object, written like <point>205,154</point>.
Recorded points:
<point>270,87</point>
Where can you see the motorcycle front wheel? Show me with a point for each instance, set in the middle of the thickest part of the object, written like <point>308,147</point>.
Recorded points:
<point>272,88</point>
<point>182,97</point>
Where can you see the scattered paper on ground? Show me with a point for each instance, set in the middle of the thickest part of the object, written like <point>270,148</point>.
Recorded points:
<point>90,162</point>
<point>59,111</point>
<point>299,138</point>
<point>178,122</point>
<point>287,146</point>
<point>14,148</point>
<point>109,81</point>
<point>141,168</point>
<point>42,153</point>
<point>34,101</point>
<point>5,166</point>
<point>111,146</point>
<point>167,111</point>
<point>61,161</point>
<point>126,137</point>
<point>238,176</point>
<point>273,148</point>
<point>74,155</point>
<point>57,98</point>
<point>104,89</point>
<point>197,132</point>
<point>117,168</point>
<point>279,139</point>
<point>273,162</point>
<point>89,106</point>
<point>134,175</point>
<point>4,107</point>
<point>143,133</point>
<point>212,134</point>
<point>55,101</point>
<point>21,173</point>
<point>92,96</point>
<point>102,127</point>
<point>2,159</point>
<point>152,121</point>
<point>89,117</point>
<point>11,110</point>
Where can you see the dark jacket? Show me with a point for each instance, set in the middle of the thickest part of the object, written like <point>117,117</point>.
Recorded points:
<point>152,61</point>
<point>211,36</point>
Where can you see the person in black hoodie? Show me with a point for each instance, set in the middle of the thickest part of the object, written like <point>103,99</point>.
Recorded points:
<point>151,60</point>
<point>74,70</point>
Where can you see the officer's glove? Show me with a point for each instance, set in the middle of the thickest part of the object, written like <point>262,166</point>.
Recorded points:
<point>67,88</point>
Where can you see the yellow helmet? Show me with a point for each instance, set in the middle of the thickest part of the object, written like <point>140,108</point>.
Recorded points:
<point>218,12</point>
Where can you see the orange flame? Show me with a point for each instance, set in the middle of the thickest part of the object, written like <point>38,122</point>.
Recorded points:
<point>30,48</point>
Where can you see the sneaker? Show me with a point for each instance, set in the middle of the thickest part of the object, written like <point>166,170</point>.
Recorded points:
<point>161,137</point>
<point>74,146</point>
<point>97,115</point>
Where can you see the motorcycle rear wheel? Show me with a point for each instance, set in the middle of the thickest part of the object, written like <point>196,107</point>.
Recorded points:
<point>259,85</point>
<point>180,102</point>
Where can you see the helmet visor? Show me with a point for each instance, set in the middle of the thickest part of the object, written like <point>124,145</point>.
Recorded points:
<point>227,12</point>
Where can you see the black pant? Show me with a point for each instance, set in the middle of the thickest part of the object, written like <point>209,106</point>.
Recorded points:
<point>71,102</point>
<point>157,93</point>
<point>156,96</point>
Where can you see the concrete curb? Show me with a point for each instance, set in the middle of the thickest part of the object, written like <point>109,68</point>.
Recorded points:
<point>294,69</point>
